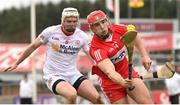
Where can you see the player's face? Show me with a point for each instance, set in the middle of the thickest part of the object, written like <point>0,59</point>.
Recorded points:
<point>70,23</point>
<point>100,28</point>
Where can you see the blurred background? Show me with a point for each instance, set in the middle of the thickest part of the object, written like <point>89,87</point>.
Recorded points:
<point>157,21</point>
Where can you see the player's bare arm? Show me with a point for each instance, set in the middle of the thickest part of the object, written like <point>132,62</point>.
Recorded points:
<point>28,50</point>
<point>90,58</point>
<point>146,61</point>
<point>108,68</point>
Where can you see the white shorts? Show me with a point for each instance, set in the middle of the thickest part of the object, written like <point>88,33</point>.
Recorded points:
<point>52,78</point>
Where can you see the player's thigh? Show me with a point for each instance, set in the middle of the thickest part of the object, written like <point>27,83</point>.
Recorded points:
<point>65,89</point>
<point>140,93</point>
<point>121,101</point>
<point>87,90</point>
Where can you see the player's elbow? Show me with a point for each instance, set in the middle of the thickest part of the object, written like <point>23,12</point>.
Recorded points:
<point>109,73</point>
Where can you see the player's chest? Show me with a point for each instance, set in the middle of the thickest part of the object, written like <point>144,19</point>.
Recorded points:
<point>66,40</point>
<point>113,47</point>
<point>115,51</point>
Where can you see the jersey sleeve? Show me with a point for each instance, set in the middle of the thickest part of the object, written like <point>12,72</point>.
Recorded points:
<point>122,29</point>
<point>44,35</point>
<point>98,55</point>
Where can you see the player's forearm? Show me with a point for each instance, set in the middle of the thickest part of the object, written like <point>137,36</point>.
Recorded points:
<point>108,68</point>
<point>140,46</point>
<point>116,77</point>
<point>25,54</point>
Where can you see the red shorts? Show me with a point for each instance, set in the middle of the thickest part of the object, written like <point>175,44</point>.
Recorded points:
<point>116,94</point>
<point>114,91</point>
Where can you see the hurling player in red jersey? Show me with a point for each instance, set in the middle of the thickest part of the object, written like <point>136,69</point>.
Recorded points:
<point>109,53</point>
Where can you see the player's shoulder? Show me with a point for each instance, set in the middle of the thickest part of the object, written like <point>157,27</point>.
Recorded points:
<point>52,28</point>
<point>95,43</point>
<point>92,47</point>
<point>123,26</point>
<point>118,26</point>
<point>81,33</point>
<point>95,47</point>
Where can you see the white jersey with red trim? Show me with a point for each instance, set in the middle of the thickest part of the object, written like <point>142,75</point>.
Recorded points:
<point>62,50</point>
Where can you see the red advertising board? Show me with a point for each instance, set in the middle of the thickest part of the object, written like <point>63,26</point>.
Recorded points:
<point>142,26</point>
<point>10,52</point>
<point>153,27</point>
<point>160,97</point>
<point>158,42</point>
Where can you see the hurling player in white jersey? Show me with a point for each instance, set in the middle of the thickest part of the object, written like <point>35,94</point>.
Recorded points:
<point>60,73</point>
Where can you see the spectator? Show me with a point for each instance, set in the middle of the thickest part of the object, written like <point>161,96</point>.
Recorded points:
<point>25,90</point>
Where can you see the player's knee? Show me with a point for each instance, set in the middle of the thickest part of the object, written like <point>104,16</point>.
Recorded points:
<point>147,100</point>
<point>71,96</point>
<point>97,99</point>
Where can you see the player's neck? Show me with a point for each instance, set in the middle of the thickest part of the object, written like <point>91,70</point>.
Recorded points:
<point>66,32</point>
<point>109,38</point>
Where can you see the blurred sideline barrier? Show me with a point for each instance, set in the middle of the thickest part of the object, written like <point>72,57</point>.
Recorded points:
<point>42,99</point>
<point>159,97</point>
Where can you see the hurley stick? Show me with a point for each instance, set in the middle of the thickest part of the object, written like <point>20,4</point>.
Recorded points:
<point>128,40</point>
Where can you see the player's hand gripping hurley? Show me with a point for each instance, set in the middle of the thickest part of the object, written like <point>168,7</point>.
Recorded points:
<point>128,40</point>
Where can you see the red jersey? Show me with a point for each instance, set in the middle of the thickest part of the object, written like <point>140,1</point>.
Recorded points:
<point>111,48</point>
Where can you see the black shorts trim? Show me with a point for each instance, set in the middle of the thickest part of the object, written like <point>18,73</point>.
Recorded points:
<point>78,82</point>
<point>55,84</point>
